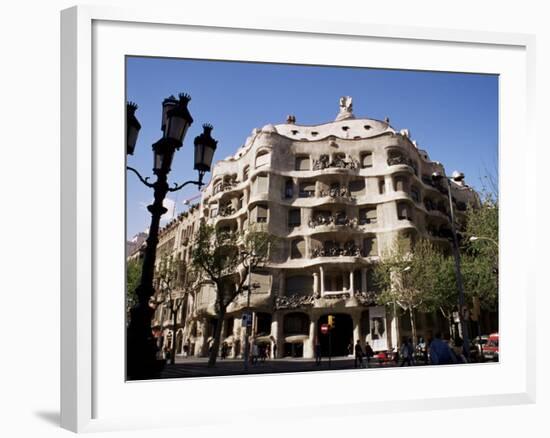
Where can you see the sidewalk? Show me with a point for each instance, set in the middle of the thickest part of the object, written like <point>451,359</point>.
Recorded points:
<point>198,367</point>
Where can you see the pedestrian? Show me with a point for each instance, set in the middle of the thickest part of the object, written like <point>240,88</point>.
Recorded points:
<point>224,350</point>
<point>358,355</point>
<point>406,352</point>
<point>368,354</point>
<point>274,351</point>
<point>255,353</point>
<point>440,352</point>
<point>318,353</point>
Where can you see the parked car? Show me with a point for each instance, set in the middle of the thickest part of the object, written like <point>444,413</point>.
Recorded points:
<point>490,349</point>
<point>476,347</point>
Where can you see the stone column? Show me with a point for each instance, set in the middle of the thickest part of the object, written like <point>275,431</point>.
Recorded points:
<point>237,329</point>
<point>315,284</point>
<point>309,345</point>
<point>277,333</point>
<point>281,283</point>
<point>351,286</point>
<point>364,286</point>
<point>394,329</point>
<point>322,278</point>
<point>357,328</point>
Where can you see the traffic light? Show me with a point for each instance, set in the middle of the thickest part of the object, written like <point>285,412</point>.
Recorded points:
<point>331,321</point>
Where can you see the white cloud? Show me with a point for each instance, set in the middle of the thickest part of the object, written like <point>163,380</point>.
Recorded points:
<point>169,204</point>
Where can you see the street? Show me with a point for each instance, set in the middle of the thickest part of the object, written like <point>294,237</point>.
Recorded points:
<point>198,367</point>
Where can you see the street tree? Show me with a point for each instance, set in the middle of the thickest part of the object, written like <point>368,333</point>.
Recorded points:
<point>404,276</point>
<point>225,260</point>
<point>133,278</point>
<point>175,283</point>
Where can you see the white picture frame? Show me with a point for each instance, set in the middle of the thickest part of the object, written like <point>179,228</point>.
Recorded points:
<point>93,395</point>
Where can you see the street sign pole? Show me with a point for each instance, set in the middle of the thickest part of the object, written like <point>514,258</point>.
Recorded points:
<point>329,345</point>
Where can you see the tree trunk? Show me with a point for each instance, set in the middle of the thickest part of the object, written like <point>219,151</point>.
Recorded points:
<point>174,335</point>
<point>413,326</point>
<point>213,355</point>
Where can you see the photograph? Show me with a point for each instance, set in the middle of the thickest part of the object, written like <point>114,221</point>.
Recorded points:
<point>308,218</point>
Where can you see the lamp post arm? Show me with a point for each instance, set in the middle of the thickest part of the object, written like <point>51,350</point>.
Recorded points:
<point>143,180</point>
<point>181,186</point>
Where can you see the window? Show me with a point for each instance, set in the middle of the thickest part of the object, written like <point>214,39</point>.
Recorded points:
<point>240,202</point>
<point>261,213</point>
<point>381,186</point>
<point>214,211</point>
<point>415,194</point>
<point>357,187</point>
<point>294,219</point>
<point>289,189</point>
<point>262,159</point>
<point>261,184</point>
<point>403,211</point>
<point>307,189</point>
<point>245,172</point>
<point>302,163</point>
<point>370,247</point>
<point>217,186</point>
<point>366,160</point>
<point>296,324</point>
<point>399,183</point>
<point>298,249</point>
<point>367,216</point>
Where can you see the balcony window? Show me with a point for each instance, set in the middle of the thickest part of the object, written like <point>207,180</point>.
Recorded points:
<point>399,183</point>
<point>263,158</point>
<point>294,219</point>
<point>302,163</point>
<point>357,187</point>
<point>403,211</point>
<point>261,184</point>
<point>289,189</point>
<point>415,194</point>
<point>307,190</point>
<point>261,214</point>
<point>298,249</point>
<point>370,247</point>
<point>366,160</point>
<point>368,216</point>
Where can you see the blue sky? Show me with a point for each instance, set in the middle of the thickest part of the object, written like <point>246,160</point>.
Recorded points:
<point>453,116</point>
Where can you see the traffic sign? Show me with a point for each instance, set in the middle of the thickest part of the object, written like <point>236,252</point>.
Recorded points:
<point>324,329</point>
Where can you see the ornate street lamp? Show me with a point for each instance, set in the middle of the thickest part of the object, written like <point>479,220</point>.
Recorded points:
<point>176,119</point>
<point>457,176</point>
<point>132,127</point>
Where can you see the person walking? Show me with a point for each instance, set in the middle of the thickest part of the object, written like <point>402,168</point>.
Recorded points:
<point>406,352</point>
<point>318,353</point>
<point>255,353</point>
<point>368,354</point>
<point>440,352</point>
<point>358,354</point>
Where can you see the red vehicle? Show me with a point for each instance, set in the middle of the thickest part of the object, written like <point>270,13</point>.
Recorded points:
<point>490,349</point>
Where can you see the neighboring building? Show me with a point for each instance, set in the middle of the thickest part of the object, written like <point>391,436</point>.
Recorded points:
<point>337,195</point>
<point>136,246</point>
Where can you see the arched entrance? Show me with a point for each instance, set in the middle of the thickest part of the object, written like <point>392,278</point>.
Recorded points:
<point>341,335</point>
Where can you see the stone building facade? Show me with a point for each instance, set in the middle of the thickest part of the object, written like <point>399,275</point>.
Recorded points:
<point>337,195</point>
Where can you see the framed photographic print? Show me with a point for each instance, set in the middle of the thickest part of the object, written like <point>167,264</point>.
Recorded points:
<point>307,208</point>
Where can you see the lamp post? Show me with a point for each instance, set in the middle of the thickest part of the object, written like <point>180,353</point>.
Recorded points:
<point>436,176</point>
<point>176,119</point>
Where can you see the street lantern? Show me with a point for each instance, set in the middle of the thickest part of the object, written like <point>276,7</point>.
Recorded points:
<point>178,119</point>
<point>132,127</point>
<point>205,146</point>
<point>167,104</point>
